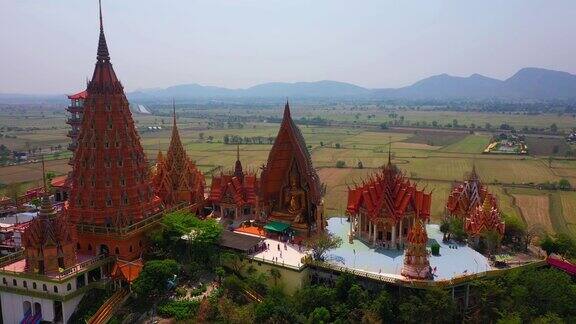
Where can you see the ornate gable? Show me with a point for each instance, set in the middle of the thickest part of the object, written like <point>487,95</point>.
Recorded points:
<point>289,150</point>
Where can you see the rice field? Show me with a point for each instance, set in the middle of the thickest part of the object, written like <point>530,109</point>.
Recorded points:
<point>433,159</point>
<point>535,210</point>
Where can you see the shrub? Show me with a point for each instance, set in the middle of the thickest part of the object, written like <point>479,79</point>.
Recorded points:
<point>179,309</point>
<point>340,164</point>
<point>435,249</point>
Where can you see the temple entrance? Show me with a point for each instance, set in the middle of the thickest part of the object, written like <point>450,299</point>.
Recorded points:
<point>37,309</point>
<point>58,317</point>
<point>27,308</point>
<point>104,249</point>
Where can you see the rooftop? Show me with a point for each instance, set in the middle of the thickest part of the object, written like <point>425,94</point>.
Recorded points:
<point>84,261</point>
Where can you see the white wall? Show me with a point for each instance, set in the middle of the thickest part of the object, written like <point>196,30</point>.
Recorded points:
<point>69,306</point>
<point>13,307</point>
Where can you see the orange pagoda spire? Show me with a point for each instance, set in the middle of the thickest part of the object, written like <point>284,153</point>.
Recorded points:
<point>48,240</point>
<point>111,187</point>
<point>176,178</point>
<point>416,264</point>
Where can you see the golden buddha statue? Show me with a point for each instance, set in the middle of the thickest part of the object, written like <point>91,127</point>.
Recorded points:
<point>294,197</point>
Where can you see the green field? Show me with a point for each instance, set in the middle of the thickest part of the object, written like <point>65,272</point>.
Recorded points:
<point>434,159</point>
<point>470,144</point>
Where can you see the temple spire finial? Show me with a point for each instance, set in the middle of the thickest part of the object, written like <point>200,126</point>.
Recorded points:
<point>103,54</point>
<point>237,152</point>
<point>287,109</point>
<point>389,149</point>
<point>174,111</point>
<point>44,176</point>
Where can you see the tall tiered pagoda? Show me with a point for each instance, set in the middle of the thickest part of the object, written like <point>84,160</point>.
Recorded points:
<point>111,194</point>
<point>385,206</point>
<point>416,263</point>
<point>234,195</point>
<point>290,190</point>
<point>176,178</point>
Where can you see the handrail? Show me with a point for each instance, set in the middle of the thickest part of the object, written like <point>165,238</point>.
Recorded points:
<point>418,283</point>
<point>12,257</point>
<point>98,229</point>
<point>66,273</point>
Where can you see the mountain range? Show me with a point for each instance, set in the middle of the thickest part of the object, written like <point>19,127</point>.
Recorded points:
<point>526,84</point>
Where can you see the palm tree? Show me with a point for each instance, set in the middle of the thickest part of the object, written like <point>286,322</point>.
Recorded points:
<point>275,273</point>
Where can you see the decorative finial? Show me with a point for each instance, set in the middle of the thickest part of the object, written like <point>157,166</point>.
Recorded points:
<point>44,176</point>
<point>100,9</point>
<point>174,111</point>
<point>389,149</point>
<point>103,54</point>
<point>237,152</point>
<point>287,109</point>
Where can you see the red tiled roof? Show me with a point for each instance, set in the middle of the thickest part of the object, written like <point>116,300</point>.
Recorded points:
<point>59,181</point>
<point>79,95</point>
<point>389,190</point>
<point>242,192</point>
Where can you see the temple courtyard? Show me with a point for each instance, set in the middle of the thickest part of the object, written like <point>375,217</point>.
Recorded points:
<point>454,260</point>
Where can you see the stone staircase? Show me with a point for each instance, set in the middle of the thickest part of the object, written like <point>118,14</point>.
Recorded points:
<point>105,312</point>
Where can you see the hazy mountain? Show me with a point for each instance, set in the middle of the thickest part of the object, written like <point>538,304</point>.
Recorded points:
<point>320,89</point>
<point>445,86</point>
<point>527,84</point>
<point>536,83</point>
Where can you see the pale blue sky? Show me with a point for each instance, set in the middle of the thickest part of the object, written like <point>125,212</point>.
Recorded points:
<point>50,46</point>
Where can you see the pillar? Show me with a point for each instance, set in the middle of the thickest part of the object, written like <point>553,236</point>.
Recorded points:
<point>375,233</point>
<point>369,231</point>
<point>393,243</point>
<point>400,233</point>
<point>360,228</point>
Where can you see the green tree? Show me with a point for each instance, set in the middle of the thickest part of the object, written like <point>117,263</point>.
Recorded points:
<point>320,315</point>
<point>382,306</point>
<point>275,274</point>
<point>564,184</point>
<point>153,280</point>
<point>340,164</point>
<point>322,243</point>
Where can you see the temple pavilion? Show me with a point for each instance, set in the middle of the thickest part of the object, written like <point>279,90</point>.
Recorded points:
<point>234,195</point>
<point>290,190</point>
<point>176,178</point>
<point>384,207</point>
<point>478,209</point>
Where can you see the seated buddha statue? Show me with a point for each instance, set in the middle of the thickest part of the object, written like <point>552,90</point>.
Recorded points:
<point>295,198</point>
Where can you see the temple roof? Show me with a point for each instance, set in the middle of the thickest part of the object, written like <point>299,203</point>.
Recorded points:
<point>79,95</point>
<point>243,191</point>
<point>483,218</point>
<point>289,146</point>
<point>389,190</point>
<point>466,196</point>
<point>48,233</point>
